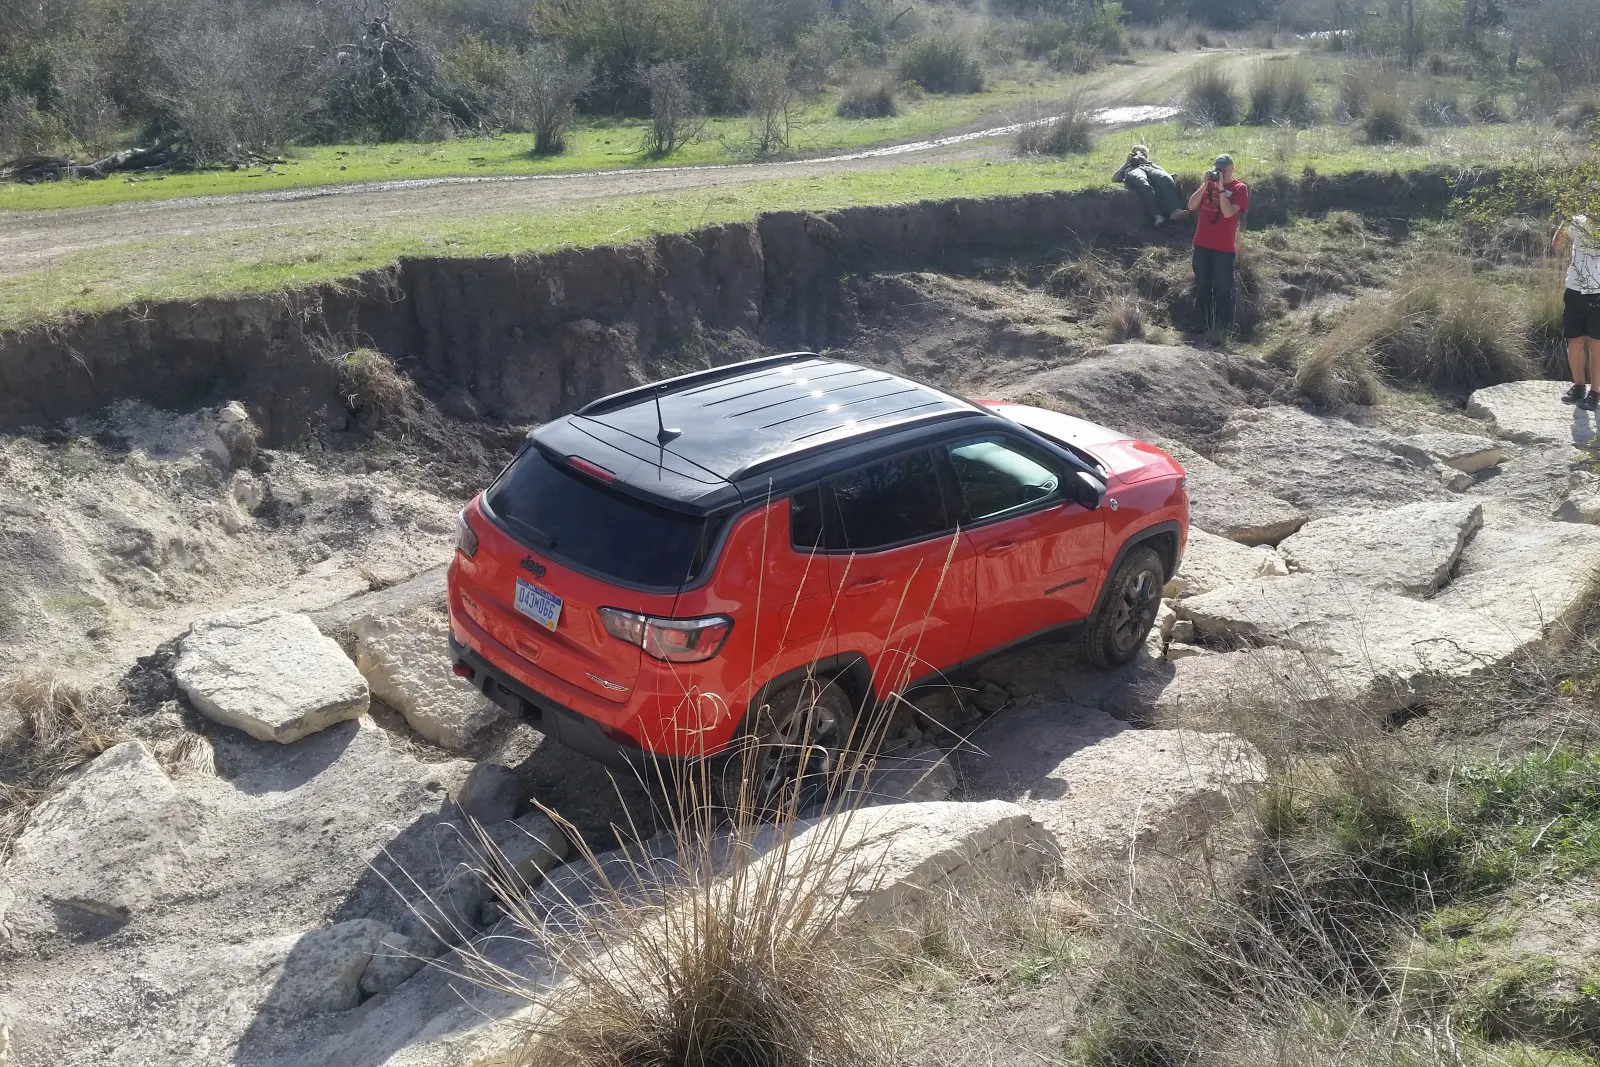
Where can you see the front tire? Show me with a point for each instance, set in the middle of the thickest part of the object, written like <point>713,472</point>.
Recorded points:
<point>797,745</point>
<point>1128,610</point>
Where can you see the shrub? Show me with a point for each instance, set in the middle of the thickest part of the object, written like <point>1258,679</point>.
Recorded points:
<point>1438,105</point>
<point>1355,93</point>
<point>1073,133</point>
<point>1450,331</point>
<point>1209,97</point>
<point>1545,335</point>
<point>1124,319</point>
<point>1388,118</point>
<point>868,99</point>
<point>374,390</point>
<point>1280,92</point>
<point>1582,111</point>
<point>768,98</point>
<point>541,96</point>
<point>1486,108</point>
<point>1333,373</point>
<point>673,116</point>
<point>943,63</point>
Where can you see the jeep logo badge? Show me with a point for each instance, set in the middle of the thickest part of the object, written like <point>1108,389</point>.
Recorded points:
<point>533,567</point>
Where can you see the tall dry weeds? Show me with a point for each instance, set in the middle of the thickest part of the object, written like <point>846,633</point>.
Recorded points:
<point>55,726</point>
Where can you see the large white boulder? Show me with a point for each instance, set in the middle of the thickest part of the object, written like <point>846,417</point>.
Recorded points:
<point>1531,412</point>
<point>1466,453</point>
<point>100,851</point>
<point>1324,464</point>
<point>406,660</point>
<point>1410,549</point>
<point>1211,562</point>
<point>269,673</point>
<point>1224,503</point>
<point>1100,786</point>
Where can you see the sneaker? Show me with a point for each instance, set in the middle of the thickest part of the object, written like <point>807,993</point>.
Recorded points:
<point>1591,402</point>
<point>1573,395</point>
<point>1180,214</point>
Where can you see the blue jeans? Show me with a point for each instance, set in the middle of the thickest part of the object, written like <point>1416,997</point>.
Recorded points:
<point>1213,288</point>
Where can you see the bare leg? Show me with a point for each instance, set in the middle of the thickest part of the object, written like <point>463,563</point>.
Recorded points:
<point>1577,359</point>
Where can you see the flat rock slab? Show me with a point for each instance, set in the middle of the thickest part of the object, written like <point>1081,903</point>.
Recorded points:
<point>1532,413</point>
<point>1211,562</point>
<point>1226,504</point>
<point>1464,452</point>
<point>269,673</point>
<point>1100,786</point>
<point>100,851</point>
<point>1322,464</point>
<point>1534,479</point>
<point>1521,576</point>
<point>1410,549</point>
<point>406,661</point>
<point>890,861</point>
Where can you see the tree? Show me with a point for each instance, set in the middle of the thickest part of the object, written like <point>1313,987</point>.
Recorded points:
<point>541,96</point>
<point>768,100</point>
<point>674,118</point>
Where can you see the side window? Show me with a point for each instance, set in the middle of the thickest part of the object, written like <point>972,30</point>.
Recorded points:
<point>996,477</point>
<point>890,503</point>
<point>805,520</point>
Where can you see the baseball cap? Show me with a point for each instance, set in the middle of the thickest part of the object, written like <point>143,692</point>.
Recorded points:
<point>1223,161</point>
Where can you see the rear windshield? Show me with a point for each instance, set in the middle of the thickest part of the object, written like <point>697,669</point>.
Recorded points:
<point>579,521</point>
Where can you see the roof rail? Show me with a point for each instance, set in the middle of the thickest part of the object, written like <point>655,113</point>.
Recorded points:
<point>699,377</point>
<point>793,455</point>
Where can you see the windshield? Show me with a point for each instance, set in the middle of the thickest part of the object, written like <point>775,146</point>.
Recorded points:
<point>579,521</point>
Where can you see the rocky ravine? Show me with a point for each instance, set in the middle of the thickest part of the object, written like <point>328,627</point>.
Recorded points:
<point>275,904</point>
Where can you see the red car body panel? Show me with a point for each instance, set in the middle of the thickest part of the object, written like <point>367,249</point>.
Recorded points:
<point>908,612</point>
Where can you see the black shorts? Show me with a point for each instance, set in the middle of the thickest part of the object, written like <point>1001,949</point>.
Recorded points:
<point>1580,315</point>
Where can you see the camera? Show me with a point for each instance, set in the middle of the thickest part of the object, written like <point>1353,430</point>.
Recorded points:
<point>1213,176</point>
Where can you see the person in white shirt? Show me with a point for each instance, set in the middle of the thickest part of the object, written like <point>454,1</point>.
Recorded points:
<point>1580,316</point>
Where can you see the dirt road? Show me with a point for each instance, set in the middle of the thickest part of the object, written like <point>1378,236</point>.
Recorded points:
<point>34,241</point>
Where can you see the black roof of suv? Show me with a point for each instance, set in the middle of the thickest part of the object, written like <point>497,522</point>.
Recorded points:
<point>748,429</point>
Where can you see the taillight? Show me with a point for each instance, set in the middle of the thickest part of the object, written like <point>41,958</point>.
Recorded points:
<point>672,640</point>
<point>466,537</point>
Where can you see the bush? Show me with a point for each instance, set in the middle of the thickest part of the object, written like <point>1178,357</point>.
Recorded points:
<point>1486,108</point>
<point>1582,112</point>
<point>374,390</point>
<point>1209,97</point>
<point>1331,374</point>
<point>673,116</point>
<point>541,96</point>
<point>868,99</point>
<point>769,99</point>
<point>1388,118</point>
<point>1280,92</point>
<point>1545,335</point>
<point>1355,93</point>
<point>1071,134</point>
<point>1451,331</point>
<point>1438,105</point>
<point>942,64</point>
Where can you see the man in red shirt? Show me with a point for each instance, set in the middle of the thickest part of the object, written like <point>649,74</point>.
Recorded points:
<point>1217,205</point>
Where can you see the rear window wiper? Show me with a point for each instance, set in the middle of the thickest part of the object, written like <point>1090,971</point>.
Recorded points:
<point>533,533</point>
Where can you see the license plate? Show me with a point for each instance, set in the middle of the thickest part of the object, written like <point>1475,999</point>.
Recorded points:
<point>542,607</point>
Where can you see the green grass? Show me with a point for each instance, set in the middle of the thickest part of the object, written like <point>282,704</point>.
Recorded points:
<point>599,146</point>
<point>268,260</point>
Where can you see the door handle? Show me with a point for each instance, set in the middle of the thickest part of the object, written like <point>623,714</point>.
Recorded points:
<point>1000,548</point>
<point>865,585</point>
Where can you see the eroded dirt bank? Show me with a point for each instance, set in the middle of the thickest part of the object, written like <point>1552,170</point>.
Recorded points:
<point>528,338</point>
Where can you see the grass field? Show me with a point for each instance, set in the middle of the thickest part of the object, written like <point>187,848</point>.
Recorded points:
<point>598,146</point>
<point>257,261</point>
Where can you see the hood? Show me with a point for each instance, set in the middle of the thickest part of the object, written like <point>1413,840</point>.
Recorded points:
<point>1124,458</point>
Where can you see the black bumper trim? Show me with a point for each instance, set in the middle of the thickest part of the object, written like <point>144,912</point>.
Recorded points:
<point>557,721</point>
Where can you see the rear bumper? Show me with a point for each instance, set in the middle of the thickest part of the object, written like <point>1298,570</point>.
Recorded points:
<point>574,731</point>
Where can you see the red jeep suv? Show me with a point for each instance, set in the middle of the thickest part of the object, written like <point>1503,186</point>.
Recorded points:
<point>763,550</point>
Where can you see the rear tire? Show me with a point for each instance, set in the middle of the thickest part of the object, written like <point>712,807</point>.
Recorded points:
<point>795,746</point>
<point>1128,610</point>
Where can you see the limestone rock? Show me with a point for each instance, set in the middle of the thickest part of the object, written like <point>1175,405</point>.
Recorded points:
<point>1204,686</point>
<point>490,794</point>
<point>1535,479</point>
<point>1531,412</point>
<point>406,661</point>
<point>1523,577</point>
<point>394,959</point>
<point>1224,503</point>
<point>1464,452</point>
<point>268,673</point>
<point>1583,499</point>
<point>916,776</point>
<point>315,972</point>
<point>1098,785</point>
<point>1323,464</point>
<point>1410,549</point>
<point>100,851</point>
<point>1211,562</point>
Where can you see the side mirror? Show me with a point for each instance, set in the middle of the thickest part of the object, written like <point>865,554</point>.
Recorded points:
<point>1089,490</point>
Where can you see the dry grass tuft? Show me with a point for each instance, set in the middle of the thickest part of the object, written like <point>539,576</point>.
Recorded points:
<point>1281,92</point>
<point>1071,134</point>
<point>1388,114</point>
<point>1125,319</point>
<point>55,727</point>
<point>374,388</point>
<point>1449,331</point>
<point>1331,374</point>
<point>1210,96</point>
